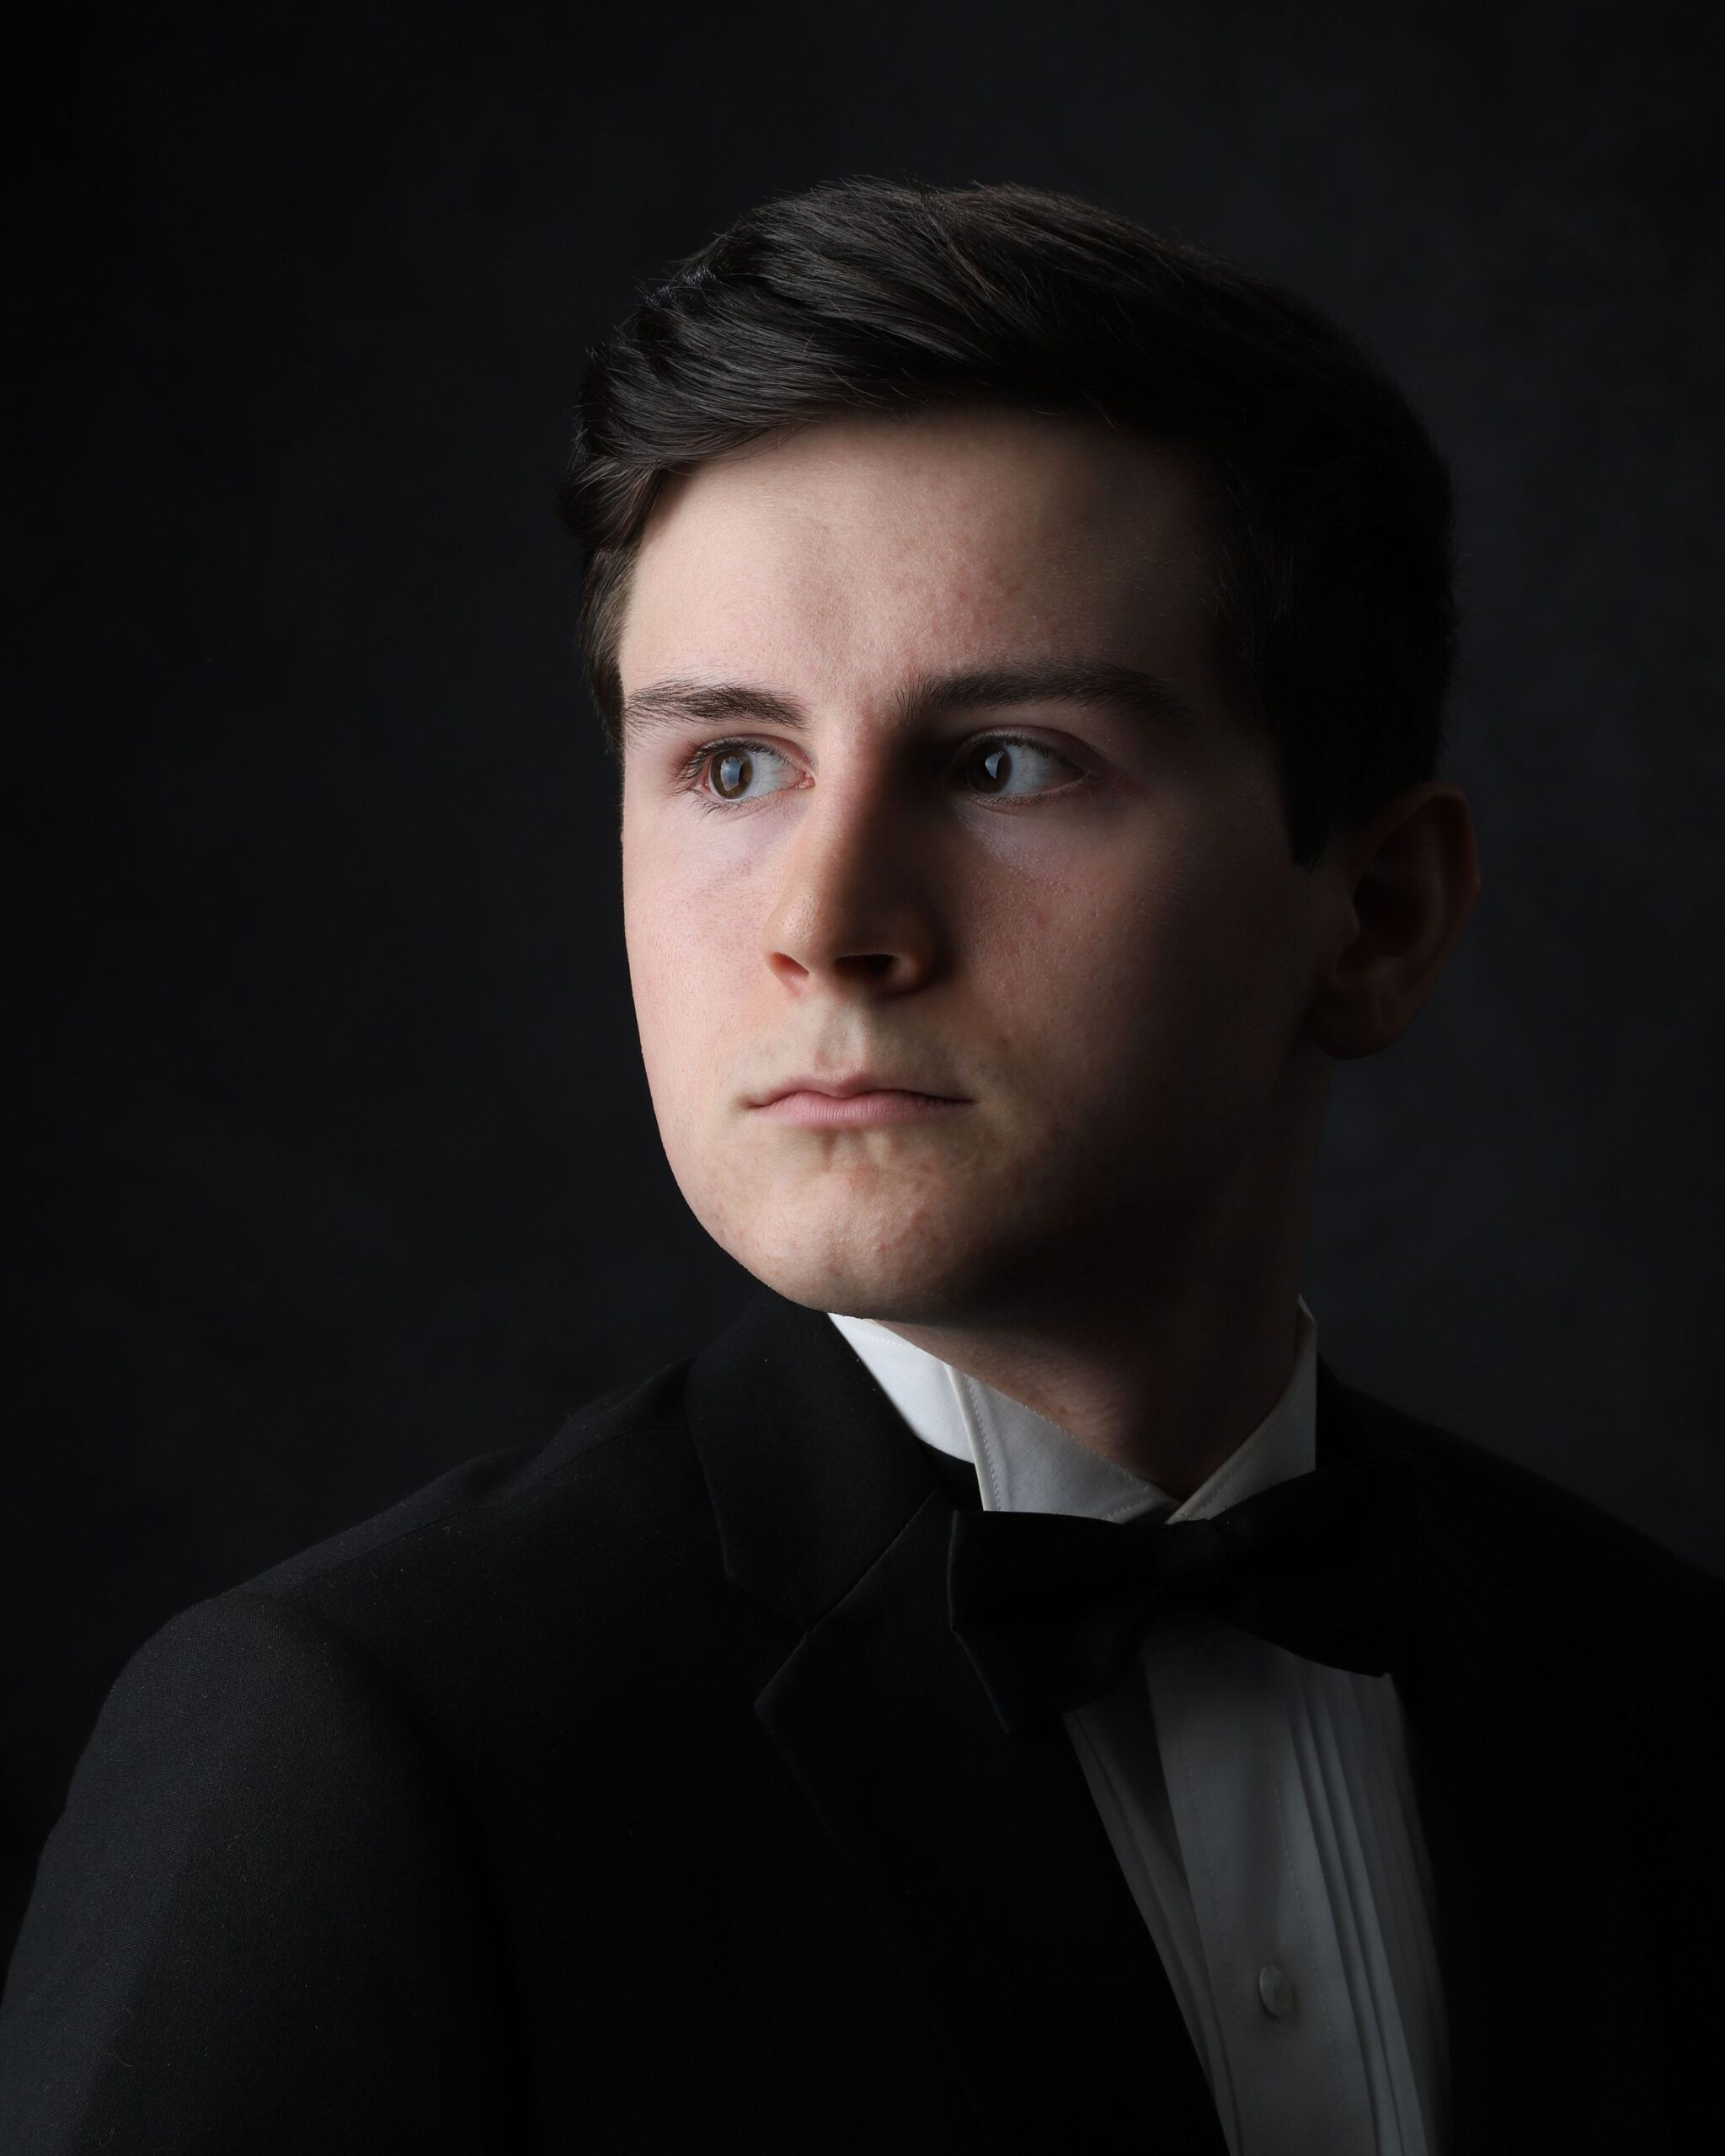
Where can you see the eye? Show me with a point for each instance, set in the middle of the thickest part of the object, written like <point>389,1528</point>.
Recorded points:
<point>1014,769</point>
<point>745,771</point>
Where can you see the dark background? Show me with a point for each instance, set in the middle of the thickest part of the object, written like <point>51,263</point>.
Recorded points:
<point>335,1159</point>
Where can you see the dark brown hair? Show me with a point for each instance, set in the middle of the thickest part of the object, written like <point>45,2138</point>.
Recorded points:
<point>1334,567</point>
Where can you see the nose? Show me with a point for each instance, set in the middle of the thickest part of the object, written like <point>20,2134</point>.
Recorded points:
<point>854,911</point>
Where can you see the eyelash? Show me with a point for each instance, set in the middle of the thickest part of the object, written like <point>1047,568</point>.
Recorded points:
<point>689,774</point>
<point>970,748</point>
<point>696,763</point>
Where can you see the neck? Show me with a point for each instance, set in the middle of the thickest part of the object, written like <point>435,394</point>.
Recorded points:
<point>1166,1367</point>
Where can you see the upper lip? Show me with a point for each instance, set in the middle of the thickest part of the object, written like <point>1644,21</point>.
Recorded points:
<point>847,1088</point>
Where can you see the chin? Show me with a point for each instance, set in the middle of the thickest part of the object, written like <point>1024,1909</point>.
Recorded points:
<point>907,1295</point>
<point>904,1266</point>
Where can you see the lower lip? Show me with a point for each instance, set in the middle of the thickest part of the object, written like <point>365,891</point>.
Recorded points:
<point>856,1111</point>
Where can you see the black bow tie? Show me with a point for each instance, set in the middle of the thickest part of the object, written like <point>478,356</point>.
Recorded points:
<point>1053,1611</point>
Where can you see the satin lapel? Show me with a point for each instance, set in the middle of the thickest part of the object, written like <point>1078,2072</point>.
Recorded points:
<point>810,1469</point>
<point>981,1855</point>
<point>1540,1955</point>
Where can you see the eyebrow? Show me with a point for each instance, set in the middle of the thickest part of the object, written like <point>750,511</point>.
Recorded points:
<point>705,703</point>
<point>724,703</point>
<point>1128,688</point>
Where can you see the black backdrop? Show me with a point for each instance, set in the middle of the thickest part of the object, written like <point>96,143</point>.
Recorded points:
<point>335,1157</point>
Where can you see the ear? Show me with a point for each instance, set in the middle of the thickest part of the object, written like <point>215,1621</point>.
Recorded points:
<point>1405,883</point>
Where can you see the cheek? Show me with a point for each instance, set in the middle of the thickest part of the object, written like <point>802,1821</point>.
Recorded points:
<point>1143,973</point>
<point>661,948</point>
<point>1058,932</point>
<point>691,948</point>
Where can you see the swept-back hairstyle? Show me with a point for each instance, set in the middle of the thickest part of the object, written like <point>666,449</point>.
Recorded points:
<point>1333,558</point>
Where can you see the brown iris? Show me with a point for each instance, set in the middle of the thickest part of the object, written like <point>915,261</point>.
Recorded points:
<point>732,770</point>
<point>990,769</point>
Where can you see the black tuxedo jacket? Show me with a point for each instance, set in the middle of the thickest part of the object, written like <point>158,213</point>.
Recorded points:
<point>636,1795</point>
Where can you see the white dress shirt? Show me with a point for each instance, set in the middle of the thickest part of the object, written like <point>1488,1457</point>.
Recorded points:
<point>1260,1805</point>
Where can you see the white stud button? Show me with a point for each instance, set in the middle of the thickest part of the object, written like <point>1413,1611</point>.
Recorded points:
<point>1275,1991</point>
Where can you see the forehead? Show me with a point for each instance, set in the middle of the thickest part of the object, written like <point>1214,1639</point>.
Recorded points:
<point>901,546</point>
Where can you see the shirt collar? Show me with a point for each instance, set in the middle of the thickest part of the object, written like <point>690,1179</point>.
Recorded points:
<point>1025,1463</point>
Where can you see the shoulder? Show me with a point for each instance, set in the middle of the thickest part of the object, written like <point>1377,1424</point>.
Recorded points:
<point>262,1844</point>
<point>302,1795</point>
<point>365,1643</point>
<point>1523,1542</point>
<point>521,1589</point>
<point>621,1452</point>
<point>608,1505</point>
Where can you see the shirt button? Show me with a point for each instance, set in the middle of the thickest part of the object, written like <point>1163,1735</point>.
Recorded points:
<point>1275,1991</point>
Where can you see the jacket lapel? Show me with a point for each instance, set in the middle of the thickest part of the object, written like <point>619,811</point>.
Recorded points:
<point>980,1855</point>
<point>1541,1956</point>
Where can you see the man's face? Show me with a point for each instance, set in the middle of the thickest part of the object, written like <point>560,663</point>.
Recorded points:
<point>971,962</point>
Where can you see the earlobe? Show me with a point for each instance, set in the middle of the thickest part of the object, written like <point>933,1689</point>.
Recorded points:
<point>1406,882</point>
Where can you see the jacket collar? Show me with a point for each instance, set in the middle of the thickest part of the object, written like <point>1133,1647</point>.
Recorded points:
<point>811,1472</point>
<point>980,1856</point>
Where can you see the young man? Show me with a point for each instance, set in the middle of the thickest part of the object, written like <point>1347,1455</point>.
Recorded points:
<point>1036,1703</point>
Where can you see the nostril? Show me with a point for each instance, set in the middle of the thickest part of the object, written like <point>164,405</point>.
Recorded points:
<point>866,965</point>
